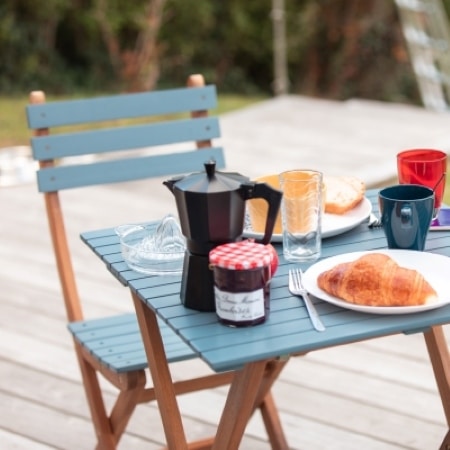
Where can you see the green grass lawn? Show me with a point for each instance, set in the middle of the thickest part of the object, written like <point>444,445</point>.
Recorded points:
<point>13,125</point>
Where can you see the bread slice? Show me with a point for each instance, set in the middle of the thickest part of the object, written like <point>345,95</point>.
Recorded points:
<point>343,193</point>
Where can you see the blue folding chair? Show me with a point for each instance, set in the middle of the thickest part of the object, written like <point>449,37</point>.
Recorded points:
<point>112,346</point>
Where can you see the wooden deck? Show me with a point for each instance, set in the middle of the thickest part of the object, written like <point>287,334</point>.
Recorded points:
<point>376,395</point>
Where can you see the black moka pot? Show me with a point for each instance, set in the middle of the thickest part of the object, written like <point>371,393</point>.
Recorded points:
<point>211,208</point>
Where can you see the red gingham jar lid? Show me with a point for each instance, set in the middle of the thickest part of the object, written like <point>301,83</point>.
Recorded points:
<point>241,255</point>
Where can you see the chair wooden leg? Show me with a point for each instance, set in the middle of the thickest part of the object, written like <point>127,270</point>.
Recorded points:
<point>102,425</point>
<point>440,360</point>
<point>124,407</point>
<point>109,429</point>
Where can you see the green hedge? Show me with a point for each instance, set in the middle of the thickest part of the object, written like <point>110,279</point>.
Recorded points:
<point>336,48</point>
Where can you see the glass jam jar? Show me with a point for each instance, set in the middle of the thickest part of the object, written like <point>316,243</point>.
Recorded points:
<point>241,282</point>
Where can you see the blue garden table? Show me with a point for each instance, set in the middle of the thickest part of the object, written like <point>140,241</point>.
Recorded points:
<point>258,354</point>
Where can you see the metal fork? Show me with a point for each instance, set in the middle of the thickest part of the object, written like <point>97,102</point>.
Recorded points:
<point>296,288</point>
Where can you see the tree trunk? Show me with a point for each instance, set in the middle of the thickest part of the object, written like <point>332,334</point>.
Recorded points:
<point>353,39</point>
<point>137,68</point>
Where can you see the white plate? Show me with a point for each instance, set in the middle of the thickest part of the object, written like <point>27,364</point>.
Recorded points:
<point>435,268</point>
<point>332,224</point>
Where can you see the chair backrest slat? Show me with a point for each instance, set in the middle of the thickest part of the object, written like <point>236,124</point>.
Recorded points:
<point>116,107</point>
<point>120,138</point>
<point>151,138</point>
<point>57,178</point>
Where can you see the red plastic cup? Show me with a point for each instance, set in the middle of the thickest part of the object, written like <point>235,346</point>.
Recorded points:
<point>426,167</point>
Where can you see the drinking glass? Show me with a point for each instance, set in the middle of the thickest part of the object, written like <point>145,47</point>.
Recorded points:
<point>426,167</point>
<point>301,213</point>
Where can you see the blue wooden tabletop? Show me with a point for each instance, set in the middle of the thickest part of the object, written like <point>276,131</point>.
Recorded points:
<point>288,330</point>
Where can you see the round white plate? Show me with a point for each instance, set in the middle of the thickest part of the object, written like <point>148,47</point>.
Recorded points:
<point>435,268</point>
<point>332,224</point>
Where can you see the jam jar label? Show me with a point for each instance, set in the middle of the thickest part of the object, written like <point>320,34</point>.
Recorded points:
<point>239,306</point>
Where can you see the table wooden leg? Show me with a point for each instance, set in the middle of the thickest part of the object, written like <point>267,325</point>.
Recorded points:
<point>440,360</point>
<point>250,390</point>
<point>239,406</point>
<point>162,380</point>
<point>266,404</point>
<point>446,442</point>
<point>272,422</point>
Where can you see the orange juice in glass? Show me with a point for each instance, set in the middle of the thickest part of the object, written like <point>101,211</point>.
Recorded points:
<point>257,208</point>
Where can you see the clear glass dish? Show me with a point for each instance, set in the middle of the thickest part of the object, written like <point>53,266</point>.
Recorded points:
<point>154,248</point>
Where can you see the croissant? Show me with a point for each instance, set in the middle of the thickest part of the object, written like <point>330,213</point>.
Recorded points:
<point>376,279</point>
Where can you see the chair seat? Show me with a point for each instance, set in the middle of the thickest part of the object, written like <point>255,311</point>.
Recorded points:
<point>116,342</point>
